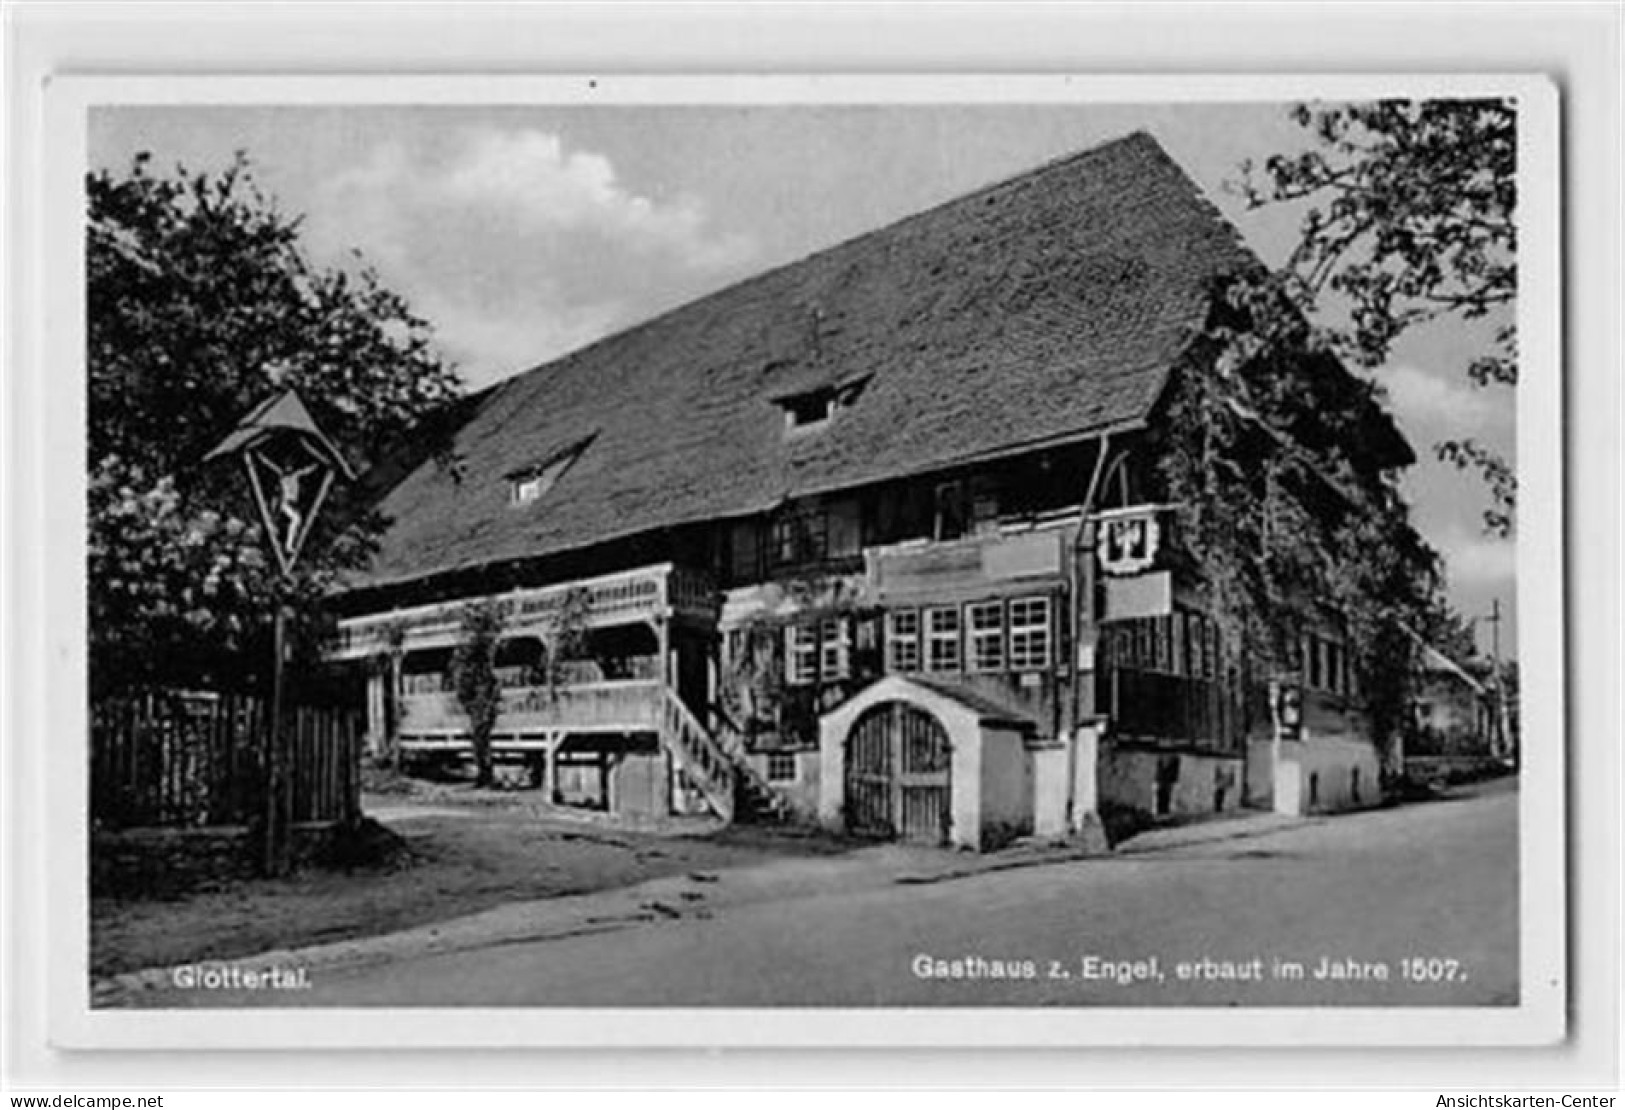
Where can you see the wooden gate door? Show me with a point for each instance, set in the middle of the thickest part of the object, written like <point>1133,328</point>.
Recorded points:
<point>897,775</point>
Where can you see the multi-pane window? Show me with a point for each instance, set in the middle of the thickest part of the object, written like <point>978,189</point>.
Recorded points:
<point>1182,644</point>
<point>799,536</point>
<point>800,654</point>
<point>986,625</point>
<point>903,639</point>
<point>942,651</point>
<point>982,637</point>
<point>1327,667</point>
<point>783,541</point>
<point>1030,633</point>
<point>834,649</point>
<point>820,650</point>
<point>781,766</point>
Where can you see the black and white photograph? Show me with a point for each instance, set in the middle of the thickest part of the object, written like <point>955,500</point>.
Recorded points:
<point>590,560</point>
<point>763,555</point>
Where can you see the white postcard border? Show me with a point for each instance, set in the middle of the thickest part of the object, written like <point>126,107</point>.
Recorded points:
<point>57,378</point>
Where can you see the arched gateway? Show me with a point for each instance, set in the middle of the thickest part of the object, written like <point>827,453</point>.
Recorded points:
<point>899,775</point>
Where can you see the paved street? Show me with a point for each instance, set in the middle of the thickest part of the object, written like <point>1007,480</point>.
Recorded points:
<point>1223,922</point>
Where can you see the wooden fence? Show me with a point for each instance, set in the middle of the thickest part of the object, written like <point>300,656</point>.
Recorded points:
<point>185,759</point>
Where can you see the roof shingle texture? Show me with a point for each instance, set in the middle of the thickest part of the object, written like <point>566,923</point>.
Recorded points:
<point>1044,307</point>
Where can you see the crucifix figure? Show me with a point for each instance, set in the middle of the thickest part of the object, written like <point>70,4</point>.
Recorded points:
<point>288,504</point>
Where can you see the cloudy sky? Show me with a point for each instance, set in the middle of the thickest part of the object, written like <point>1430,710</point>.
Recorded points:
<point>521,233</point>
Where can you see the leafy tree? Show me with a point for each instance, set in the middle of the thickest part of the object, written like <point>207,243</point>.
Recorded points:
<point>474,678</point>
<point>1290,506</point>
<point>1411,219</point>
<point>566,637</point>
<point>202,303</point>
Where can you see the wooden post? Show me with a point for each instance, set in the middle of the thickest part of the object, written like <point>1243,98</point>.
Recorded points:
<point>550,768</point>
<point>1087,631</point>
<point>392,711</point>
<point>1082,737</point>
<point>713,677</point>
<point>375,713</point>
<point>275,833</point>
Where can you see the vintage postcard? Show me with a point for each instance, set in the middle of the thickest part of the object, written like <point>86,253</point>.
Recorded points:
<point>810,561</point>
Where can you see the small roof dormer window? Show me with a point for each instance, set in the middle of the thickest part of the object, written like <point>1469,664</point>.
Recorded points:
<point>810,409</point>
<point>530,484</point>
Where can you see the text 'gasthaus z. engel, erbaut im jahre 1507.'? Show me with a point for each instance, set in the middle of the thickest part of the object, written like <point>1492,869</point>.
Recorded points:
<point>1093,968</point>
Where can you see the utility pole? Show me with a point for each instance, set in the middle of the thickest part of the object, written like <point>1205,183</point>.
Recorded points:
<point>1502,723</point>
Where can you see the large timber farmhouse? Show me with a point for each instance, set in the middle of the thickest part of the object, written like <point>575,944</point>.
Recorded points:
<point>874,538</point>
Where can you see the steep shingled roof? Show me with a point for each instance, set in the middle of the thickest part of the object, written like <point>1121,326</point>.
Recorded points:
<point>1044,307</point>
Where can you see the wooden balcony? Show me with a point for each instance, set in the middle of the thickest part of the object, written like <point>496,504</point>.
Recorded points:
<point>658,592</point>
<point>633,705</point>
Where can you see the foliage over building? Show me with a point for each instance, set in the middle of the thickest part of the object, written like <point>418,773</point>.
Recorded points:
<point>201,303</point>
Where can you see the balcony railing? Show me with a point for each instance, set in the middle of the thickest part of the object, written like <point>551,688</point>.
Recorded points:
<point>646,593</point>
<point>570,672</point>
<point>626,706</point>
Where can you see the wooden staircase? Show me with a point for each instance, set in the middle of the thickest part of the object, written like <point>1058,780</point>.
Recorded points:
<point>755,800</point>
<point>735,790</point>
<point>701,758</point>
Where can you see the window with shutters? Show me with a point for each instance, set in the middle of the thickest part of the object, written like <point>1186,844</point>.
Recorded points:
<point>800,654</point>
<point>834,649</point>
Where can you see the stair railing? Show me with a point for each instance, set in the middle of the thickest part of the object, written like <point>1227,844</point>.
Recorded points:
<point>699,755</point>
<point>732,740</point>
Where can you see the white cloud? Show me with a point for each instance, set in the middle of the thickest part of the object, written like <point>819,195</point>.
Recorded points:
<point>525,182</point>
<point>530,175</point>
<point>1437,400</point>
<point>517,248</point>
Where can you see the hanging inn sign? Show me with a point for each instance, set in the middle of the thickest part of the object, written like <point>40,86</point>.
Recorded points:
<point>1128,542</point>
<point>291,466</point>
